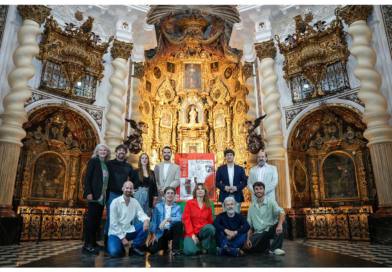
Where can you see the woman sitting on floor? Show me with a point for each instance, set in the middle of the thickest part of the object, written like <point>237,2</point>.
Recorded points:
<point>198,222</point>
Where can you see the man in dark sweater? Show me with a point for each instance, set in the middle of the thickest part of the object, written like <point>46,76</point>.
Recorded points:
<point>119,172</point>
<point>231,230</point>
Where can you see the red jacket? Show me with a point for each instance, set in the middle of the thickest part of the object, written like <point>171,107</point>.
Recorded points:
<point>195,218</point>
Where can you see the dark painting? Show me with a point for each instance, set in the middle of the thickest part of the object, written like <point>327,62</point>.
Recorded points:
<point>339,177</point>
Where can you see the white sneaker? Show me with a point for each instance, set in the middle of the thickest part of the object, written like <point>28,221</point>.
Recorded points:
<point>279,251</point>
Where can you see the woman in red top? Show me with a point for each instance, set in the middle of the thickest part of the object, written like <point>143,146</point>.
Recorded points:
<point>198,222</point>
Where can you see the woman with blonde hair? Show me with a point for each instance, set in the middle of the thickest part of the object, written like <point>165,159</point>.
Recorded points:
<point>198,222</point>
<point>146,191</point>
<point>95,186</point>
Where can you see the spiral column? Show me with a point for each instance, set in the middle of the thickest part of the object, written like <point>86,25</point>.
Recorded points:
<point>14,115</point>
<point>378,131</point>
<point>272,123</point>
<point>115,122</point>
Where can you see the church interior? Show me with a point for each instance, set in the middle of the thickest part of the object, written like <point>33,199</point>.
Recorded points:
<point>309,84</point>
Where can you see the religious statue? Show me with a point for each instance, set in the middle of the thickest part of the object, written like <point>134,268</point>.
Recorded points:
<point>193,116</point>
<point>254,141</point>
<point>135,139</point>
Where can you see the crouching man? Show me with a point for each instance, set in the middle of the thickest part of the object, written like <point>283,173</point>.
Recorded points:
<point>166,224</point>
<point>231,230</point>
<point>123,210</point>
<point>266,220</point>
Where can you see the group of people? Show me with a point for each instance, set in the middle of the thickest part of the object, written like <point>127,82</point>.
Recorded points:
<point>142,213</point>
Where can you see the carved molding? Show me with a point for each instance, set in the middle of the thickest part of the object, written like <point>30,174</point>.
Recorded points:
<point>265,49</point>
<point>3,20</point>
<point>353,13</point>
<point>387,17</point>
<point>138,69</point>
<point>37,13</point>
<point>121,49</point>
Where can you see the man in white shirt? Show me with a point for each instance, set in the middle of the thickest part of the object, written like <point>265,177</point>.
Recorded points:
<point>264,172</point>
<point>167,173</point>
<point>123,210</point>
<point>231,180</point>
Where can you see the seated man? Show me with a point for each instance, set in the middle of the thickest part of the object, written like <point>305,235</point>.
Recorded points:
<point>123,210</point>
<point>166,224</point>
<point>231,230</point>
<point>266,220</point>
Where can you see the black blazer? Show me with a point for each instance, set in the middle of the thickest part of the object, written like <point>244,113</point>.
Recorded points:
<point>239,180</point>
<point>152,186</point>
<point>93,180</point>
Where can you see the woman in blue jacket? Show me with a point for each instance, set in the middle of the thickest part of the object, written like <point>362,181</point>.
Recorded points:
<point>166,224</point>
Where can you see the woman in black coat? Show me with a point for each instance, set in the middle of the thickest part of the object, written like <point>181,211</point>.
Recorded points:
<point>95,186</point>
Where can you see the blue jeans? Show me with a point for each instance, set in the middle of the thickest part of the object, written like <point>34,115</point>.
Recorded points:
<point>236,242</point>
<point>115,246</point>
<point>108,202</point>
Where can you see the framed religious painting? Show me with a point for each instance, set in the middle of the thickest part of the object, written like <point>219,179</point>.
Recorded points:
<point>192,76</point>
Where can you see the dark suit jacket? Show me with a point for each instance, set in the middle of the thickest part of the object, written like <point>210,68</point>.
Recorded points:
<point>93,180</point>
<point>239,180</point>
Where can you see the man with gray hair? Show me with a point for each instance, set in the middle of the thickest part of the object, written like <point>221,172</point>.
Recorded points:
<point>231,230</point>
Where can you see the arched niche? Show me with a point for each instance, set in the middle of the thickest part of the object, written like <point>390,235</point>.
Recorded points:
<point>329,131</point>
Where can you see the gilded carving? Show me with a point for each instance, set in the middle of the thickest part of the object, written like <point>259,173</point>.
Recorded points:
<point>72,60</point>
<point>37,13</point>
<point>353,13</point>
<point>310,50</point>
<point>121,49</point>
<point>265,49</point>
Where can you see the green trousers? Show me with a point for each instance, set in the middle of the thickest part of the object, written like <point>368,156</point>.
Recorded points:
<point>206,236</point>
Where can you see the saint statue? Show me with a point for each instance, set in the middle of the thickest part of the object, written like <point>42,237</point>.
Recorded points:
<point>193,115</point>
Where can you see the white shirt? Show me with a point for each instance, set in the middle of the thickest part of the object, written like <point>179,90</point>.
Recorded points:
<point>165,170</point>
<point>230,170</point>
<point>261,173</point>
<point>121,216</point>
<point>167,215</point>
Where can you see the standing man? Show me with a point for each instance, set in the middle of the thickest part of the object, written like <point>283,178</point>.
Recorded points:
<point>119,170</point>
<point>124,210</point>
<point>231,230</point>
<point>264,172</point>
<point>266,220</point>
<point>167,173</point>
<point>231,180</point>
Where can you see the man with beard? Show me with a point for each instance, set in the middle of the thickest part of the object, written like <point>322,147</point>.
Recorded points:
<point>266,220</point>
<point>119,170</point>
<point>231,230</point>
<point>123,210</point>
<point>264,172</point>
<point>167,173</point>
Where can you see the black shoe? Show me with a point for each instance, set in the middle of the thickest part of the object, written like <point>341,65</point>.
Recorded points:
<point>99,247</point>
<point>90,250</point>
<point>136,251</point>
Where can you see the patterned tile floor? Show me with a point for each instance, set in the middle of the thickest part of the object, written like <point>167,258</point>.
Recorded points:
<point>26,252</point>
<point>381,254</point>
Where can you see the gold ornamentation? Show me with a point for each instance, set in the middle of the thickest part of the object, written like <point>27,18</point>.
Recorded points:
<point>121,49</point>
<point>311,49</point>
<point>78,52</point>
<point>37,13</point>
<point>265,49</point>
<point>353,13</point>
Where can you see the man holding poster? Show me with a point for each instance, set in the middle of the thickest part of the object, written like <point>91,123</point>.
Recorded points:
<point>231,180</point>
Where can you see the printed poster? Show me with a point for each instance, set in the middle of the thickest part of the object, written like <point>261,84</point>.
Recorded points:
<point>196,168</point>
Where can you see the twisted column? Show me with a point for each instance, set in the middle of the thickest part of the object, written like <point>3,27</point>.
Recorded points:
<point>115,122</point>
<point>378,132</point>
<point>14,115</point>
<point>272,124</point>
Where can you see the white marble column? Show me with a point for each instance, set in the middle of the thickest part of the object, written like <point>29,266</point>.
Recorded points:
<point>115,122</point>
<point>14,115</point>
<point>272,123</point>
<point>376,117</point>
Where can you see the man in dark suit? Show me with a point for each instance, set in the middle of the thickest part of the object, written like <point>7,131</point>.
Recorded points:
<point>231,180</point>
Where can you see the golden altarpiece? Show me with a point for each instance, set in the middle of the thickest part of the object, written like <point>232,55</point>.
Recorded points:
<point>332,188</point>
<point>59,141</point>
<point>193,93</point>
